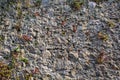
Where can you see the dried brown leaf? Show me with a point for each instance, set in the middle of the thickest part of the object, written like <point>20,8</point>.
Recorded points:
<point>36,70</point>
<point>100,58</point>
<point>26,37</point>
<point>36,14</point>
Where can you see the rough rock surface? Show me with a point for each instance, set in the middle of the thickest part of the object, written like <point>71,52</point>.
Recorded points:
<point>58,43</point>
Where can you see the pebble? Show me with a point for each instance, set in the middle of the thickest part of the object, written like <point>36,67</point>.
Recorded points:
<point>59,40</point>
<point>73,72</point>
<point>7,23</point>
<point>64,40</point>
<point>22,53</point>
<point>23,64</point>
<point>92,4</point>
<point>6,50</point>
<point>67,8</point>
<point>67,78</point>
<point>74,54</point>
<point>102,14</point>
<point>58,76</point>
<point>46,54</point>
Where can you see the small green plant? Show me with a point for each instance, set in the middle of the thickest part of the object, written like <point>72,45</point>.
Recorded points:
<point>17,49</point>
<point>76,4</point>
<point>2,38</point>
<point>25,60</point>
<point>15,53</point>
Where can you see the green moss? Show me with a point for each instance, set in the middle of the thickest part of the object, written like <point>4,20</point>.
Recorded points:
<point>76,5</point>
<point>28,76</point>
<point>63,33</point>
<point>98,1</point>
<point>5,71</point>
<point>111,24</point>
<point>17,49</point>
<point>103,36</point>
<point>19,10</point>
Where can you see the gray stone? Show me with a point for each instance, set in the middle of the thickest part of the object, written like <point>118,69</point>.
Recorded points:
<point>73,72</point>
<point>1,58</point>
<point>6,50</point>
<point>58,76</point>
